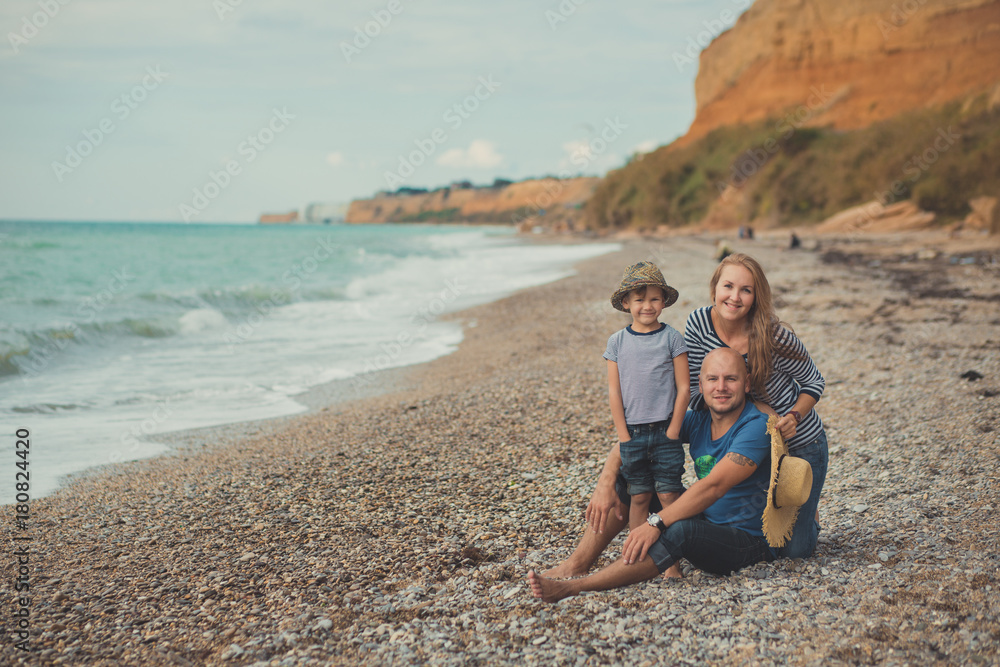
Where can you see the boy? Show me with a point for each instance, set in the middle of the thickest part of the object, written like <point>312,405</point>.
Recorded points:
<point>649,388</point>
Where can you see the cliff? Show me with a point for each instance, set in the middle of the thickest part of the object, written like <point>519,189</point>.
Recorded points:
<point>552,202</point>
<point>279,218</point>
<point>807,108</point>
<point>845,63</point>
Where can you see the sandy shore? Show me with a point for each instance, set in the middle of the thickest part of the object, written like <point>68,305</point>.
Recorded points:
<point>399,528</point>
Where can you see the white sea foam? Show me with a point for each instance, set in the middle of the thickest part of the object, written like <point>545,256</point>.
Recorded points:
<point>372,304</point>
<point>202,319</point>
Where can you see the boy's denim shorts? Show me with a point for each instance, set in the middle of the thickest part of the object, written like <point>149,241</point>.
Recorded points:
<point>651,461</point>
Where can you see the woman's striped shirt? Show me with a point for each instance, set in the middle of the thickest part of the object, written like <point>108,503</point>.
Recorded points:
<point>789,378</point>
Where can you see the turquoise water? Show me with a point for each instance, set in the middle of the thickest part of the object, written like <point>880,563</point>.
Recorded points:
<point>111,334</point>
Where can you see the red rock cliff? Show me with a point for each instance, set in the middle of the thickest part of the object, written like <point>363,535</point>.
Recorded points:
<point>846,63</point>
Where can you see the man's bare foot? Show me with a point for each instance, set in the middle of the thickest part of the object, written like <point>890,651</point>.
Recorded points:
<point>563,570</point>
<point>547,590</point>
<point>673,572</point>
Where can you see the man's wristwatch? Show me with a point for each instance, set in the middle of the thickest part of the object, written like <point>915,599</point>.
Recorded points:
<point>655,521</point>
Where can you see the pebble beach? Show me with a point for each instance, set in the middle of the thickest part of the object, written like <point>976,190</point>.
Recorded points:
<point>398,527</point>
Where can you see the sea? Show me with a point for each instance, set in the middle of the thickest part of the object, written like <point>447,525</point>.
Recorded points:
<point>114,334</point>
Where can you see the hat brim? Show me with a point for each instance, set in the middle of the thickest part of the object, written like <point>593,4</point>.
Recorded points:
<point>669,293</point>
<point>777,523</point>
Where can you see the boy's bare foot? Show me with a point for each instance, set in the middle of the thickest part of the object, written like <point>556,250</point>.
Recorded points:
<point>673,572</point>
<point>547,590</point>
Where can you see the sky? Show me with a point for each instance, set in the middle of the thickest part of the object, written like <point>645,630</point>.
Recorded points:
<point>220,110</point>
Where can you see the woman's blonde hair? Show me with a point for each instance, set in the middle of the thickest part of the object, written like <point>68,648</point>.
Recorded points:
<point>763,326</point>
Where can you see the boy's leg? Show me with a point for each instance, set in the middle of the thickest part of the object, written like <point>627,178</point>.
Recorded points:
<point>667,498</point>
<point>639,510</point>
<point>668,470</point>
<point>674,571</point>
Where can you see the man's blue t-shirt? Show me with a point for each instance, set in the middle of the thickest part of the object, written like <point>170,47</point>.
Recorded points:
<point>743,505</point>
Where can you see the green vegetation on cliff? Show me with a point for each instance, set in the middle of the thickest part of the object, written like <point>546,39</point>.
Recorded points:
<point>782,173</point>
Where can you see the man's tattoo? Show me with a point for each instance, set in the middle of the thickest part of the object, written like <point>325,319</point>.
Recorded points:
<point>740,460</point>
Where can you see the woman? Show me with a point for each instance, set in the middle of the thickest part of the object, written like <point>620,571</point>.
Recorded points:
<point>784,381</point>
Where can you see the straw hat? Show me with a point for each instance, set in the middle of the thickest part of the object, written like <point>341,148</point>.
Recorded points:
<point>640,275</point>
<point>791,483</point>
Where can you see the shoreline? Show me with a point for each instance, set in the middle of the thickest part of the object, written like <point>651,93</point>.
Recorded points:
<point>399,527</point>
<point>315,398</point>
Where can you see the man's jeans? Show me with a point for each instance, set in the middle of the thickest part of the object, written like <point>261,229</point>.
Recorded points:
<point>708,546</point>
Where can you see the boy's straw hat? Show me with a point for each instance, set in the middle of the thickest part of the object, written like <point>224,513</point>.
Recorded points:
<point>791,483</point>
<point>640,275</point>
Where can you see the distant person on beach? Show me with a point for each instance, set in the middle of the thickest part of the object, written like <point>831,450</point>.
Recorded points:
<point>741,318</point>
<point>716,523</point>
<point>649,390</point>
<point>794,242</point>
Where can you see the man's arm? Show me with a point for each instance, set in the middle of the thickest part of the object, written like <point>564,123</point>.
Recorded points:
<point>727,473</point>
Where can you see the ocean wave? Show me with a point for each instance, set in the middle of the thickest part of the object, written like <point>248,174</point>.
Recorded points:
<point>154,327</point>
<point>28,352</point>
<point>8,356</point>
<point>238,300</point>
<point>46,408</point>
<point>29,245</point>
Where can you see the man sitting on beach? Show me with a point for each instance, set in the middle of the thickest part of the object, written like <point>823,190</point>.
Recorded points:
<point>716,523</point>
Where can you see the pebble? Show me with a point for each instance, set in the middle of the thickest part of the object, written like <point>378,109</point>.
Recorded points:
<point>399,529</point>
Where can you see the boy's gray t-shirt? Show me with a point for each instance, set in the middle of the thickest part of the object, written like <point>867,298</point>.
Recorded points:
<point>646,371</point>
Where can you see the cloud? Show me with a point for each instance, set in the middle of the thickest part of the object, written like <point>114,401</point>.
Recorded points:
<point>336,158</point>
<point>578,149</point>
<point>481,154</point>
<point>647,146</point>
<point>585,156</point>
